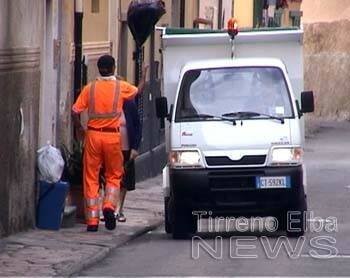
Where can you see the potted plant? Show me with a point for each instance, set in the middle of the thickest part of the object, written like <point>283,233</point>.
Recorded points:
<point>73,173</point>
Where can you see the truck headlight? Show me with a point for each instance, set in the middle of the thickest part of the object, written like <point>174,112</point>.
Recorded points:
<point>286,156</point>
<point>186,159</point>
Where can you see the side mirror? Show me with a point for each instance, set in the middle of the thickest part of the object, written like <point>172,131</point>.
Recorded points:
<point>161,107</point>
<point>162,110</point>
<point>307,102</point>
<point>170,112</point>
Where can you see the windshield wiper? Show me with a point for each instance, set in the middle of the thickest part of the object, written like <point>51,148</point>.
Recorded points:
<point>207,116</point>
<point>194,116</point>
<point>241,115</point>
<point>272,117</point>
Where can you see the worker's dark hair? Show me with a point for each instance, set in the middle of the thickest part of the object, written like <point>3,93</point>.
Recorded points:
<point>105,65</point>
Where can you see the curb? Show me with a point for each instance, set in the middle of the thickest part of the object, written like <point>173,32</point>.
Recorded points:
<point>80,266</point>
<point>71,251</point>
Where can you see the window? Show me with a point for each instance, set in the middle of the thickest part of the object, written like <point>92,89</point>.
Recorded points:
<point>268,13</point>
<point>95,6</point>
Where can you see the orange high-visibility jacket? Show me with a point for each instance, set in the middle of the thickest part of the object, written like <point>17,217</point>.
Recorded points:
<point>101,97</point>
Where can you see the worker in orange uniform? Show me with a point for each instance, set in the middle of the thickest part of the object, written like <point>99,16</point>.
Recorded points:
<point>103,98</point>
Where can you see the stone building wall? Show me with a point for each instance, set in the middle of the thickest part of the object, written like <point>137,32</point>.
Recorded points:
<point>327,57</point>
<point>327,67</point>
<point>20,42</point>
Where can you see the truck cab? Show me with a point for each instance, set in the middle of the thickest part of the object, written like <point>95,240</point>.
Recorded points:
<point>235,130</point>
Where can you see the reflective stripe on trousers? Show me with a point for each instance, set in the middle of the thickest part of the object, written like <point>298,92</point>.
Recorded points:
<point>111,196</point>
<point>92,214</point>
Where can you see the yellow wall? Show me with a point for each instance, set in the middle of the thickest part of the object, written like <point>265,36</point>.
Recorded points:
<point>243,12</point>
<point>191,12</point>
<point>130,76</point>
<point>95,25</point>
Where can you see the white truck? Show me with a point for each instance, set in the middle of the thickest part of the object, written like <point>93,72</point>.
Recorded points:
<point>235,130</point>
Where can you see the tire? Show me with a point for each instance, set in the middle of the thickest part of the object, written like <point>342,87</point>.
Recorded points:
<point>182,221</point>
<point>167,223</point>
<point>299,226</point>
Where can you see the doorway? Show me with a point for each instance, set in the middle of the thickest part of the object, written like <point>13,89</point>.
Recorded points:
<point>50,57</point>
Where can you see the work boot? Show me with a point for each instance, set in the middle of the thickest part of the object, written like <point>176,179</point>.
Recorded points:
<point>92,228</point>
<point>110,221</point>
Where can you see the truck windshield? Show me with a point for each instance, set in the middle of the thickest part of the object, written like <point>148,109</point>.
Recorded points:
<point>232,91</point>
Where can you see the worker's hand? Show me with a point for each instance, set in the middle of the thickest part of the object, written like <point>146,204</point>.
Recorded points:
<point>133,154</point>
<point>80,133</point>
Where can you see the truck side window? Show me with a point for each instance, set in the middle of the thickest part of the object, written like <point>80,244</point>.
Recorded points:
<point>185,101</point>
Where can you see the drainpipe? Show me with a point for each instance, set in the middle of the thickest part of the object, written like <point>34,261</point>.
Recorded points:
<point>78,43</point>
<point>59,70</point>
<point>182,13</point>
<point>220,19</point>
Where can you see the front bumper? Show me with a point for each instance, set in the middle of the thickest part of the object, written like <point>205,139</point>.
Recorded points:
<point>233,191</point>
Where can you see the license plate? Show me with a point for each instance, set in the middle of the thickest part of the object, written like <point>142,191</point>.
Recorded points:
<point>272,182</point>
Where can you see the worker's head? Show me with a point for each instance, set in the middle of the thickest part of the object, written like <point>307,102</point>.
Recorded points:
<point>106,65</point>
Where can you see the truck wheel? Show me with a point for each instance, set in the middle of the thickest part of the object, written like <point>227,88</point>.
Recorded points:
<point>299,225</point>
<point>167,223</point>
<point>182,221</point>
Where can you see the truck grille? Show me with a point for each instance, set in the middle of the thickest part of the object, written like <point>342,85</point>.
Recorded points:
<point>224,186</point>
<point>233,180</point>
<point>226,161</point>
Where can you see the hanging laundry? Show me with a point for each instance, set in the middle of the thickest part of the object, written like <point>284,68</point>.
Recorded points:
<point>272,7</point>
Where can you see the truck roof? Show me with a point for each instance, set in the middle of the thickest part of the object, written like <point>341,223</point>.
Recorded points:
<point>191,31</point>
<point>236,62</point>
<point>182,37</point>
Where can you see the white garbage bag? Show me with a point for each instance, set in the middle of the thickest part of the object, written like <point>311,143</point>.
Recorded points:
<point>50,164</point>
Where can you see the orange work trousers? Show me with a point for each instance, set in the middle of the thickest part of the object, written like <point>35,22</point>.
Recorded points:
<point>101,148</point>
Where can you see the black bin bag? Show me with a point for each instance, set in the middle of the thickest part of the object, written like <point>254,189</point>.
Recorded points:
<point>143,16</point>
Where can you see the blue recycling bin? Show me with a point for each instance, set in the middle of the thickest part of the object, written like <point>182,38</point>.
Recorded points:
<point>51,204</point>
